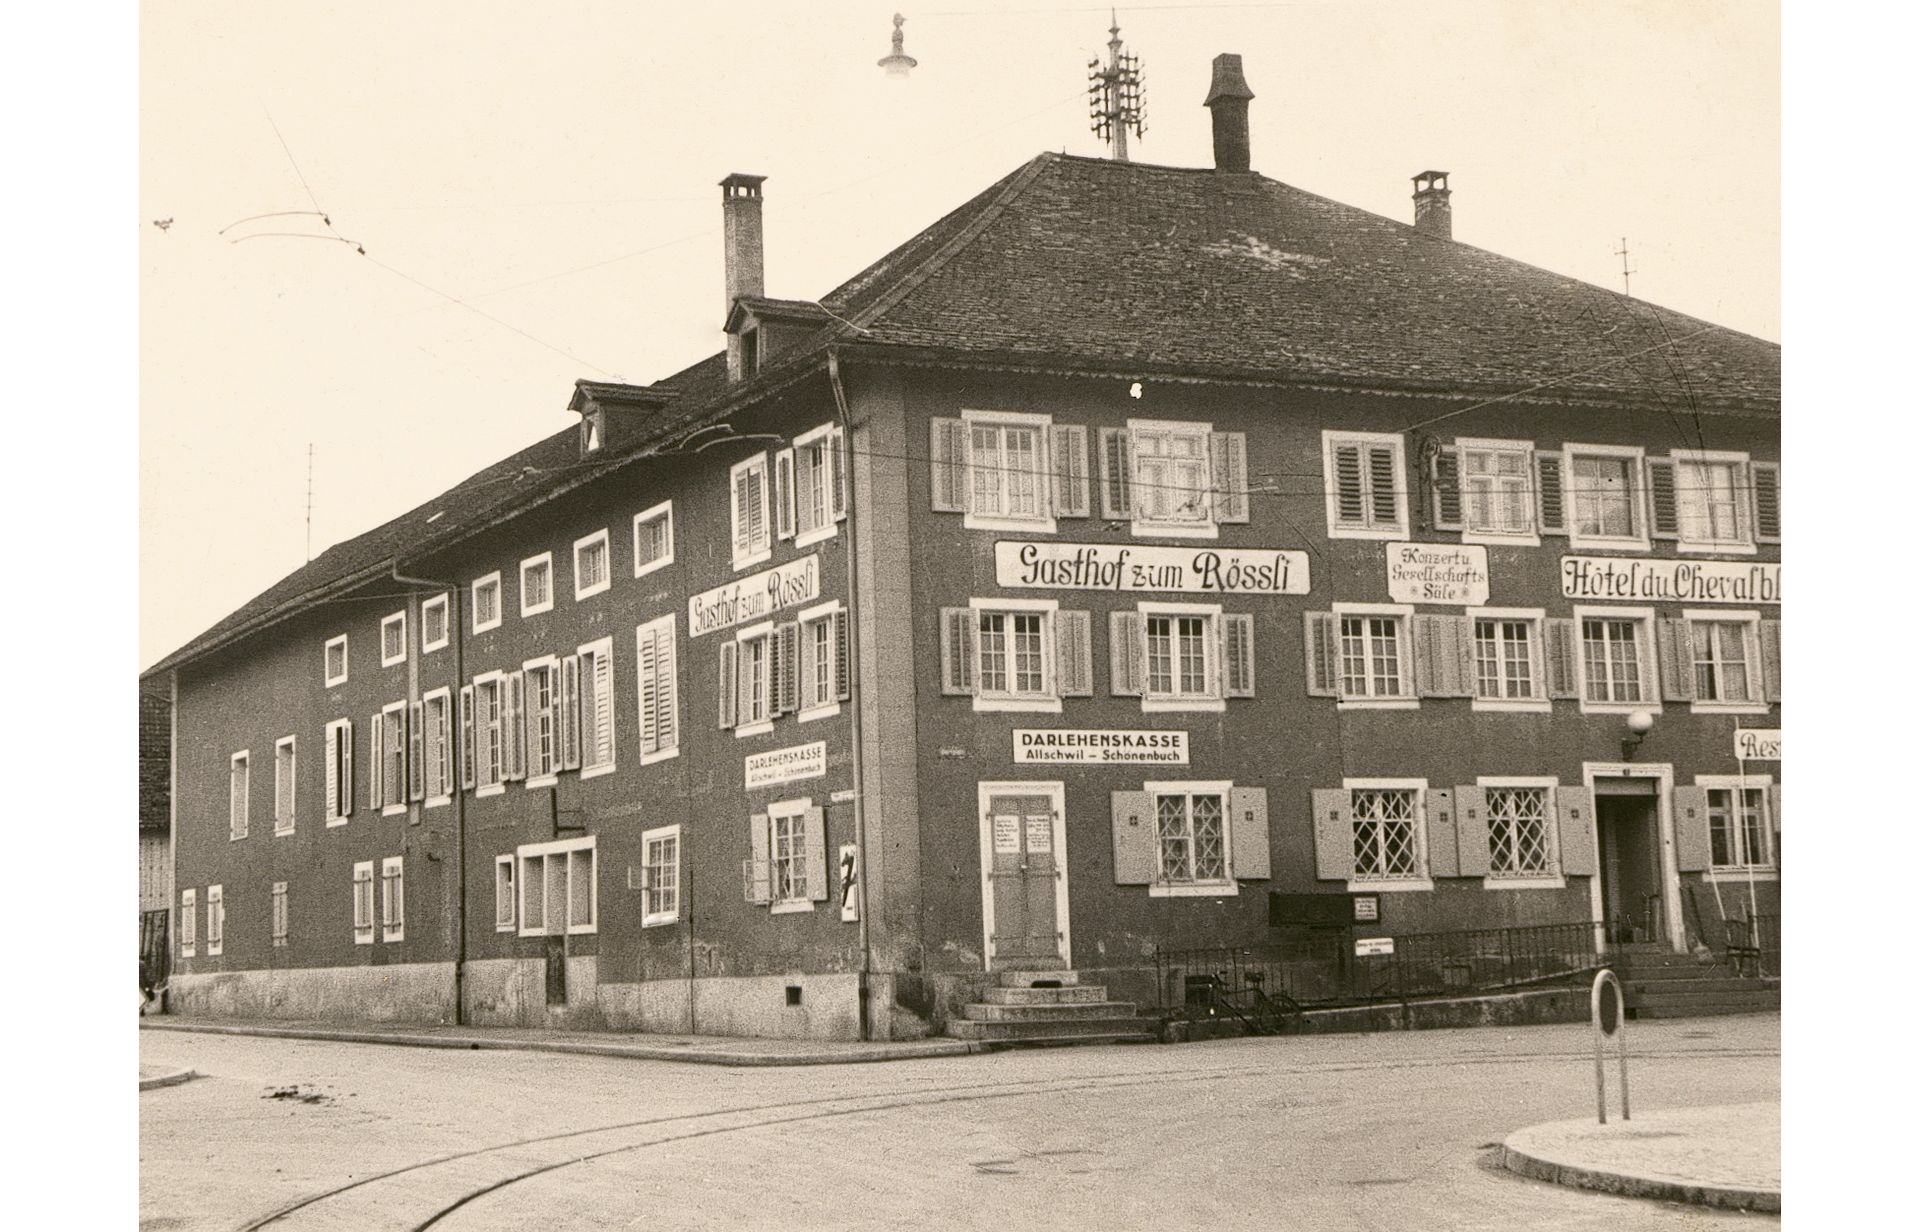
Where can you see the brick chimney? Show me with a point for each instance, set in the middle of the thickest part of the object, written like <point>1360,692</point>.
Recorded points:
<point>1431,212</point>
<point>1228,99</point>
<point>746,251</point>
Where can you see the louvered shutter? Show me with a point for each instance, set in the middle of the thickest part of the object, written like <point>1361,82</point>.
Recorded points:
<point>1472,842</point>
<point>666,693</point>
<point>1252,846</point>
<point>1563,679</point>
<point>729,683</point>
<point>1349,485</point>
<point>1384,488</point>
<point>416,758</point>
<point>809,666</point>
<point>1692,837</point>
<point>466,737</point>
<point>648,653</point>
<point>956,650</point>
<point>789,634</point>
<point>1438,665</point>
<point>777,672</point>
<point>742,515</point>
<point>816,836</point>
<point>434,744</point>
<point>333,772</point>
<point>837,467</point>
<point>516,723</point>
<point>1073,653</point>
<point>570,712</point>
<point>842,657</point>
<point>346,768</point>
<point>1766,502</point>
<point>1238,656</point>
<point>1662,499</point>
<point>1230,497</point>
<point>1549,479</point>
<point>1577,846</point>
<point>948,455</point>
<point>785,498</point>
<point>1323,654</point>
<point>1116,474</point>
<point>1135,843</point>
<point>1676,660</point>
<point>1770,657</point>
<point>377,775</point>
<point>1071,495</point>
<point>756,876</point>
<point>1125,636</point>
<point>1773,807</point>
<point>1443,839</point>
<point>1447,512</point>
<point>803,494</point>
<point>1332,834</point>
<point>600,716</point>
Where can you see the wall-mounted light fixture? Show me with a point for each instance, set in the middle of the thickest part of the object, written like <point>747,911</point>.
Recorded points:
<point>1639,723</point>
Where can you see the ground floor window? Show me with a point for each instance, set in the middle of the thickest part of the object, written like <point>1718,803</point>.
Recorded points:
<point>1193,836</point>
<point>1737,827</point>
<point>1386,833</point>
<point>660,888</point>
<point>557,888</point>
<point>280,913</point>
<point>1518,832</point>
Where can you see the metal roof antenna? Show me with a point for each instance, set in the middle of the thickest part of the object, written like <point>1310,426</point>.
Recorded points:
<point>1115,97</point>
<point>898,62</point>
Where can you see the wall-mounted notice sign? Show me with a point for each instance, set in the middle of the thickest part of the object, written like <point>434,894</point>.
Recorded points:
<point>1437,573</point>
<point>1602,578</point>
<point>789,765</point>
<point>1364,946</point>
<point>754,597</point>
<point>1757,744</point>
<point>1023,565</point>
<point>1080,747</point>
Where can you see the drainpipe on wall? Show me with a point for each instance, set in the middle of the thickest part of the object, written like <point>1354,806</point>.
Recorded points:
<point>853,649</point>
<point>457,633</point>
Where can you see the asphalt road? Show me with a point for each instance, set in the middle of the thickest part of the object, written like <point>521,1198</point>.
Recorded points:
<point>1366,1132</point>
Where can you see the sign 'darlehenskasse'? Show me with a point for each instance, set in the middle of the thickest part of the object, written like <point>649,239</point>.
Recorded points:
<point>1602,578</point>
<point>754,597</point>
<point>1024,565</point>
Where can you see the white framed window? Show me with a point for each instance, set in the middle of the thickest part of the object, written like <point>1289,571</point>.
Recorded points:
<point>592,565</point>
<point>489,734</point>
<point>339,771</point>
<point>505,903</point>
<point>189,922</point>
<point>1007,471</point>
<point>597,743</point>
<point>656,659</point>
<point>1173,478</point>
<point>1713,497</point>
<point>285,785</point>
<point>753,714</point>
<point>1725,661</point>
<point>542,721</point>
<point>238,791</point>
<point>752,518</point>
<point>390,767</point>
<point>1509,666</point>
<point>816,478</point>
<point>363,903</point>
<point>1616,659</point>
<point>660,876</point>
<point>216,920</point>
<point>486,602</point>
<point>1013,655</point>
<point>1496,491</point>
<point>393,639</point>
<point>1180,657</point>
<point>435,627</point>
<point>393,899</point>
<point>822,674</point>
<point>558,888</point>
<point>1389,833</point>
<point>280,913</point>
<point>335,661</point>
<point>437,747</point>
<point>1606,497</point>
<point>790,873</point>
<point>1375,656</point>
<point>653,539</point>
<point>1366,484</point>
<point>1522,828</point>
<point>536,584</point>
<point>1193,838</point>
<point>1739,830</point>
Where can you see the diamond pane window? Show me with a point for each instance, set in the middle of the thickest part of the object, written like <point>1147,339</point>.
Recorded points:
<point>1385,841</point>
<point>1192,837</point>
<point>1517,833</point>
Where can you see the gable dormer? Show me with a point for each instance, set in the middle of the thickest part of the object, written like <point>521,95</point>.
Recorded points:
<point>612,415</point>
<point>759,330</point>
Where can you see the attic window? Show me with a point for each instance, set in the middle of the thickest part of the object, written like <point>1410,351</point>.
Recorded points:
<point>592,430</point>
<point>749,352</point>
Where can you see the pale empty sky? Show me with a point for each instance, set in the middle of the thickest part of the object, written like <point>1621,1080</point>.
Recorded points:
<point>553,167</point>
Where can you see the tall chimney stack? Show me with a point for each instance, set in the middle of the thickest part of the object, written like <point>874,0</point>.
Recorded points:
<point>746,250</point>
<point>1228,99</point>
<point>1431,211</point>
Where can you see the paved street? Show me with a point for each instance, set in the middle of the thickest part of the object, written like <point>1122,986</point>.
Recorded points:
<point>1338,1132</point>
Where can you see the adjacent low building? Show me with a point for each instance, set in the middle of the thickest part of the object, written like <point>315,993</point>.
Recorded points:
<point>1133,556</point>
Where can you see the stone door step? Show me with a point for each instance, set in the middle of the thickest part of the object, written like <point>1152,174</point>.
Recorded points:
<point>1036,979</point>
<point>988,1012</point>
<point>1056,1031</point>
<point>1073,994</point>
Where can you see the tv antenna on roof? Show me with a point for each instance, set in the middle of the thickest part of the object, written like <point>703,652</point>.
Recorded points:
<point>1115,100</point>
<point>1626,275</point>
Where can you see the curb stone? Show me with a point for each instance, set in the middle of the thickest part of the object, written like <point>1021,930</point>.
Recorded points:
<point>168,1079</point>
<point>1637,1185</point>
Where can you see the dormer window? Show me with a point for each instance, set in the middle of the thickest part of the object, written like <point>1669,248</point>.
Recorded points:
<point>593,428</point>
<point>749,353</point>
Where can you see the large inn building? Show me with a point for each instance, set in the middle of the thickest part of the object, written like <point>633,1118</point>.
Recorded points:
<point>1131,546</point>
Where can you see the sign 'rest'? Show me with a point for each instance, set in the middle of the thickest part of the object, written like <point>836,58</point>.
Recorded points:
<point>1756,744</point>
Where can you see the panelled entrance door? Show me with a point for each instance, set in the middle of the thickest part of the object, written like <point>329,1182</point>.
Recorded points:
<point>1023,879</point>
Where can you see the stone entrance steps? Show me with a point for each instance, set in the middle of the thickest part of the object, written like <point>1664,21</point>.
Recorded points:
<point>1048,1007</point>
<point>1661,984</point>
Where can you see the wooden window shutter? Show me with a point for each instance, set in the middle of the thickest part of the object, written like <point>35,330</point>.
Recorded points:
<point>1230,497</point>
<point>516,723</point>
<point>1577,848</point>
<point>1332,834</point>
<point>783,671</point>
<point>377,775</point>
<point>570,712</point>
<point>1676,660</point>
<point>842,657</point>
<point>1443,837</point>
<point>346,768</point>
<point>1770,657</point>
<point>416,758</point>
<point>1440,670</point>
<point>1126,638</point>
<point>466,736</point>
<point>956,650</point>
<point>948,453</point>
<point>1350,496</point>
<point>816,836</point>
<point>649,680</point>
<point>1563,679</point>
<point>1549,481</point>
<point>1384,489</point>
<point>1692,840</point>
<point>1116,474</point>
<point>1773,807</point>
<point>785,499</point>
<point>1073,653</point>
<point>742,515</point>
<point>1472,842</point>
<point>1252,845</point>
<point>756,876</point>
<point>837,467</point>
<point>666,693</point>
<point>1323,654</point>
<point>1135,841</point>
<point>1662,498</point>
<point>1237,653</point>
<point>602,712</point>
<point>1072,497</point>
<point>803,518</point>
<point>1766,502</point>
<point>333,771</point>
<point>1447,511</point>
<point>729,683</point>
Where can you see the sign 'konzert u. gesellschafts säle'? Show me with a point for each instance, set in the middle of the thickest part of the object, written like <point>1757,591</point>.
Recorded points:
<point>1601,578</point>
